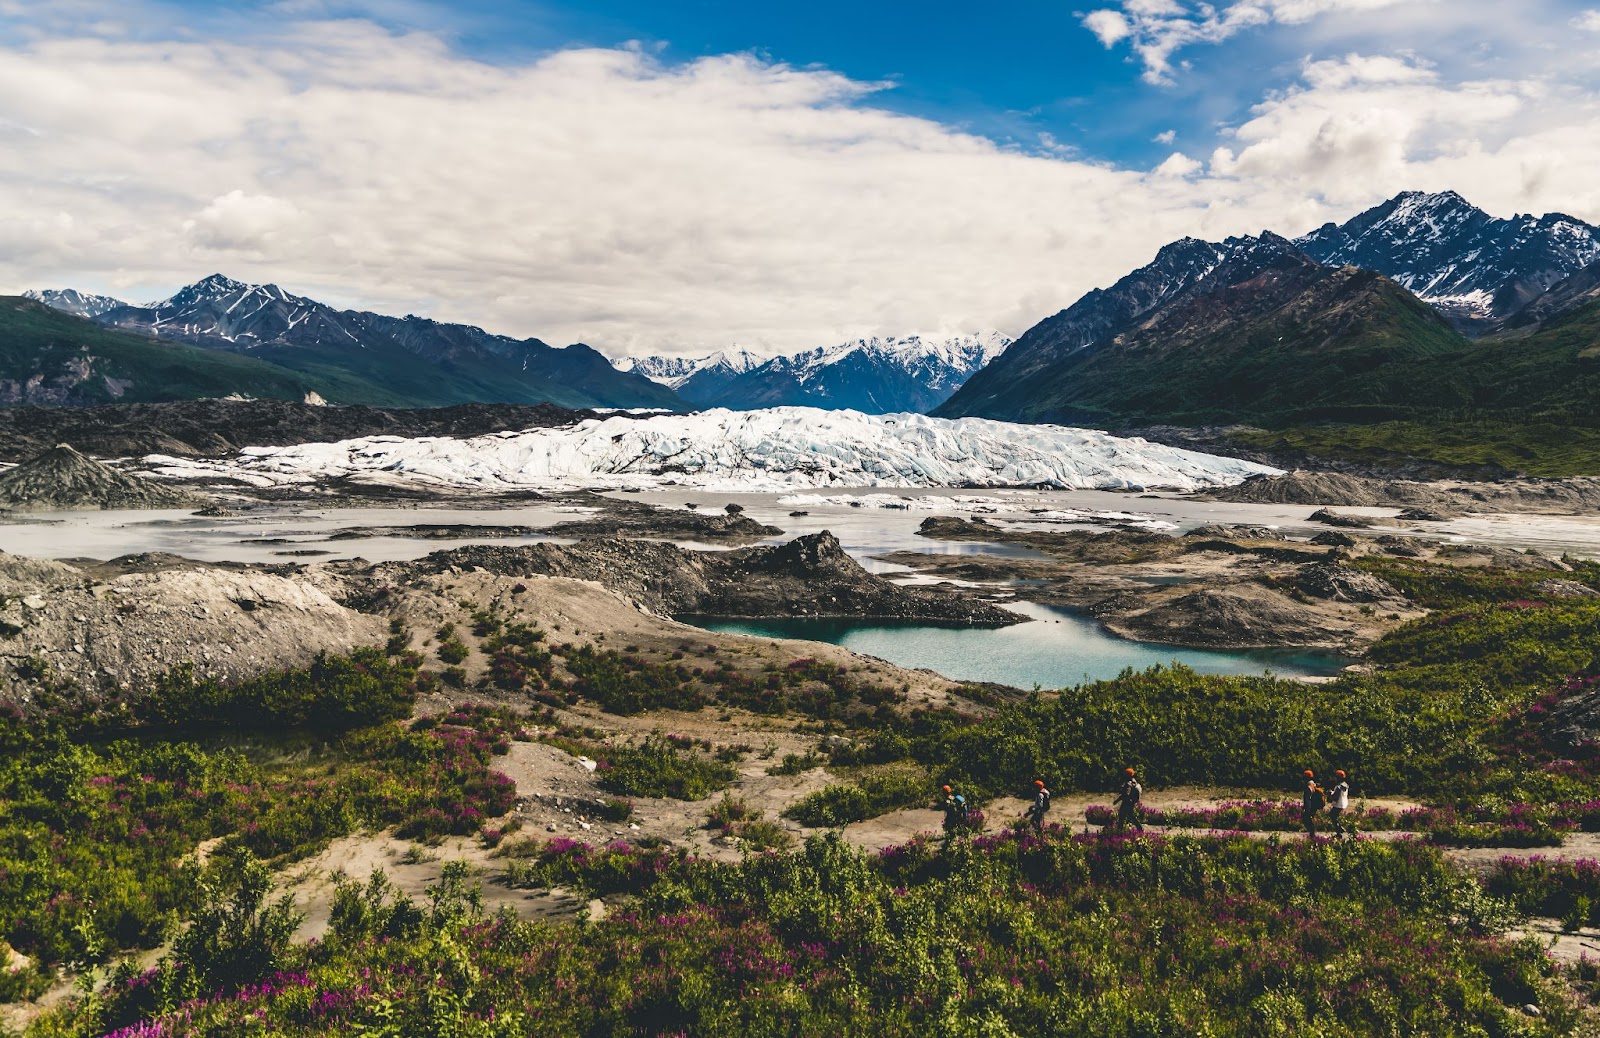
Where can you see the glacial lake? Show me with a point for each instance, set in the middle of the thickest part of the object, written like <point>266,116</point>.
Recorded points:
<point>1055,648</point>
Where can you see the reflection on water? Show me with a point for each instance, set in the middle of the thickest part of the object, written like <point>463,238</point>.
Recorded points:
<point>1054,649</point>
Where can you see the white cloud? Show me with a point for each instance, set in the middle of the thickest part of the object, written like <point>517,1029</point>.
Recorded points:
<point>239,221</point>
<point>1178,165</point>
<point>1158,29</point>
<point>1165,137</point>
<point>603,196</point>
<point>593,195</point>
<point>1109,26</point>
<point>1589,21</point>
<point>1361,127</point>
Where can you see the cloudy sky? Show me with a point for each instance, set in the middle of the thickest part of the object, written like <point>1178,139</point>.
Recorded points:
<point>678,177</point>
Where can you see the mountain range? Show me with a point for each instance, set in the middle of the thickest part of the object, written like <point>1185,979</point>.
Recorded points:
<point>356,357</point>
<point>875,376</point>
<point>1421,309</point>
<point>695,379</point>
<point>1271,331</point>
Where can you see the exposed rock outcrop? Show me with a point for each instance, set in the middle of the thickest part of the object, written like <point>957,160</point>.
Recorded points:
<point>1342,584</point>
<point>1243,617</point>
<point>809,576</point>
<point>1247,533</point>
<point>1575,495</point>
<point>61,479</point>
<point>631,519</point>
<point>1349,522</point>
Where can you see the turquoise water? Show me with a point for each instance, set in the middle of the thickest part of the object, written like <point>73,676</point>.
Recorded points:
<point>1054,649</point>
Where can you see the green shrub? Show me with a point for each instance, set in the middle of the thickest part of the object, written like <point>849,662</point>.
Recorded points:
<point>657,769</point>
<point>831,806</point>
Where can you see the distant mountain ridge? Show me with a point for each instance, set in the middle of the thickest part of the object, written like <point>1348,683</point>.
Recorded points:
<point>52,358</point>
<point>367,358</point>
<point>878,375</point>
<point>70,300</point>
<point>1264,330</point>
<point>696,379</point>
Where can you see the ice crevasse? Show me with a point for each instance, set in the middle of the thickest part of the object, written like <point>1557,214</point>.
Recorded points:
<point>772,449</point>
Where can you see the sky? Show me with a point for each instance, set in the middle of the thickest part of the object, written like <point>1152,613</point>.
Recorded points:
<point>680,177</point>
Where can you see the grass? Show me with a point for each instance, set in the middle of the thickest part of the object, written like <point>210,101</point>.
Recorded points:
<point>1546,449</point>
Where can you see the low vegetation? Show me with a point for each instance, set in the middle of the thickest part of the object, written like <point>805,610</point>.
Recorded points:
<point>1010,935</point>
<point>104,809</point>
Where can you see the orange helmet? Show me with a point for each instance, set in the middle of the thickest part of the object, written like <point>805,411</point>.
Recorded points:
<point>1309,774</point>
<point>1127,771</point>
<point>1339,773</point>
<point>945,788</point>
<point>1039,783</point>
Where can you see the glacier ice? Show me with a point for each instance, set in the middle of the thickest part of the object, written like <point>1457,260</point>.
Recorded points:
<point>774,449</point>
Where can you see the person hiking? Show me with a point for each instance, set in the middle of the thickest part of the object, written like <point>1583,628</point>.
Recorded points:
<point>955,809</point>
<point>1311,801</point>
<point>1127,801</point>
<point>1339,803</point>
<point>1041,806</point>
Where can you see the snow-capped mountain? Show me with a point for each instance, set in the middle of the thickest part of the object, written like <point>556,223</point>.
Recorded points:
<point>390,360</point>
<point>1468,265</point>
<point>70,300</point>
<point>696,379</point>
<point>771,449</point>
<point>877,375</point>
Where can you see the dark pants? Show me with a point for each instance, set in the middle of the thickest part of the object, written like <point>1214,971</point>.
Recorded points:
<point>1308,818</point>
<point>1336,817</point>
<point>1128,814</point>
<point>1037,819</point>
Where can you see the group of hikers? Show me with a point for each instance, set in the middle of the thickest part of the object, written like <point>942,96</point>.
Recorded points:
<point>1313,799</point>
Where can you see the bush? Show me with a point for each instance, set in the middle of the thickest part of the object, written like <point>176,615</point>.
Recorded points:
<point>335,693</point>
<point>831,807</point>
<point>657,769</point>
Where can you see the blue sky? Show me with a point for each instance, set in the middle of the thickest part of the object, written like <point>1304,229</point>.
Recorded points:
<point>686,176</point>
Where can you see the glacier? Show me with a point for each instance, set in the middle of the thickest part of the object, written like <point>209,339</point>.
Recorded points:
<point>775,449</point>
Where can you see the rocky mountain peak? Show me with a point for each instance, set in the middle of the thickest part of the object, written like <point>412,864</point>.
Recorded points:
<point>1472,267</point>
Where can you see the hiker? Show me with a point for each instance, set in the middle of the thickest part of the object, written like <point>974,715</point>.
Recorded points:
<point>1127,801</point>
<point>1311,802</point>
<point>1339,802</point>
<point>1041,806</point>
<point>955,808</point>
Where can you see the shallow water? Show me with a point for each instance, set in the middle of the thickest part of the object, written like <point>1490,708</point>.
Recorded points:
<point>1054,649</point>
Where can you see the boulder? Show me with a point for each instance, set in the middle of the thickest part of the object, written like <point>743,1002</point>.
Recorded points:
<point>1338,583</point>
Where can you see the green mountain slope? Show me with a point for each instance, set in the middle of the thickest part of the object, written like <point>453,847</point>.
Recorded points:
<point>1293,341</point>
<point>49,357</point>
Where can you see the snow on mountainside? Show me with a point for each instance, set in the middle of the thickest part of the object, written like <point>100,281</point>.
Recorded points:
<point>70,300</point>
<point>773,449</point>
<point>673,372</point>
<point>394,361</point>
<point>877,375</point>
<point>948,362</point>
<point>1470,266</point>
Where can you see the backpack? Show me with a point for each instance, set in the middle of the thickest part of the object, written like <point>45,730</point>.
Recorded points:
<point>1316,799</point>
